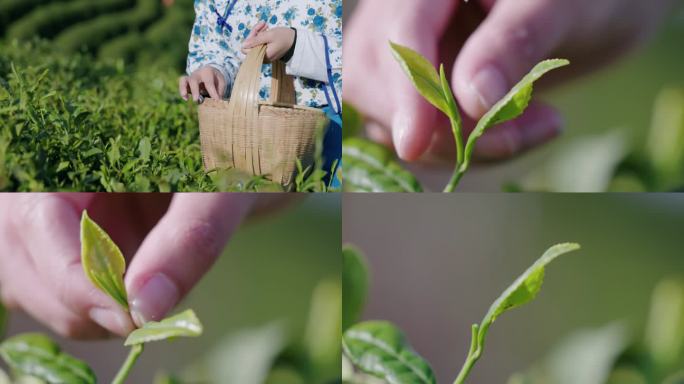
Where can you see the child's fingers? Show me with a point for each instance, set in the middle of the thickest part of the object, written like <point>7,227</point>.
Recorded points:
<point>538,125</point>
<point>57,258</point>
<point>260,39</point>
<point>208,79</point>
<point>257,28</point>
<point>180,249</point>
<point>221,84</point>
<point>183,87</point>
<point>512,39</point>
<point>193,82</point>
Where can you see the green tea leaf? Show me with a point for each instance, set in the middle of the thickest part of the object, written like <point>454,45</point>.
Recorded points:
<point>513,104</point>
<point>102,260</point>
<point>36,355</point>
<point>370,167</point>
<point>423,75</point>
<point>354,285</point>
<point>184,324</point>
<point>525,288</point>
<point>379,348</point>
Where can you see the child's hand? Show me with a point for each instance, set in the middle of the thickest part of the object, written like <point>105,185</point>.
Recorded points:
<point>488,45</point>
<point>278,40</point>
<point>169,244</point>
<point>206,80</point>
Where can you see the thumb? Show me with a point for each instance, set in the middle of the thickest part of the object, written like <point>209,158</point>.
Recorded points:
<point>180,250</point>
<point>513,38</point>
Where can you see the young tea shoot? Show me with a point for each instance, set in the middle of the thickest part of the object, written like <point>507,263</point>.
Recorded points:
<point>434,87</point>
<point>379,350</point>
<point>105,265</point>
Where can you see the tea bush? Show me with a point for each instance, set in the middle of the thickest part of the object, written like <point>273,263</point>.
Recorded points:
<point>133,30</point>
<point>71,122</point>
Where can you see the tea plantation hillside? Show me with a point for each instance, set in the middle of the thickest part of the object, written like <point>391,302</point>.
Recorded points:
<point>139,31</point>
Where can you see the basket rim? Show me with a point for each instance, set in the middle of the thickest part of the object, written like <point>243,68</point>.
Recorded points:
<point>223,103</point>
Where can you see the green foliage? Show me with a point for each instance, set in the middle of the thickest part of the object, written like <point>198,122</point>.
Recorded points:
<point>50,19</point>
<point>370,167</point>
<point>136,31</point>
<point>92,33</point>
<point>11,10</point>
<point>435,89</point>
<point>103,263</point>
<point>36,355</point>
<point>184,324</point>
<point>380,348</point>
<point>354,285</point>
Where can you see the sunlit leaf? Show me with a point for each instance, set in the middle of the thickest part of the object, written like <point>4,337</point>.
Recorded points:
<point>423,75</point>
<point>513,104</point>
<point>184,324</point>
<point>102,260</point>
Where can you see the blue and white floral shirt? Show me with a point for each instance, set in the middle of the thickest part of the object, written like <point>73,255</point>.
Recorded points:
<point>220,47</point>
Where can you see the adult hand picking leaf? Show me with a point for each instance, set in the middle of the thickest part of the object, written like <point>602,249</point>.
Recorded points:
<point>489,45</point>
<point>170,241</point>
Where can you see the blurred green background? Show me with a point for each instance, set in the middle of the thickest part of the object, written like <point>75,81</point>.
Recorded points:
<point>620,96</point>
<point>438,262</point>
<point>268,273</point>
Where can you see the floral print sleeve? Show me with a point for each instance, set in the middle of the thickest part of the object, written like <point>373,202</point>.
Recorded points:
<point>208,47</point>
<point>220,47</point>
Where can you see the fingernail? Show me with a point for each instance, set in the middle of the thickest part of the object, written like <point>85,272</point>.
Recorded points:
<point>111,320</point>
<point>154,299</point>
<point>400,127</point>
<point>489,85</point>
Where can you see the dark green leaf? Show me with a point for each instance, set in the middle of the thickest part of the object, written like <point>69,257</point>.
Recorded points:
<point>513,104</point>
<point>379,348</point>
<point>423,75</point>
<point>184,324</point>
<point>354,285</point>
<point>36,355</point>
<point>370,167</point>
<point>102,260</point>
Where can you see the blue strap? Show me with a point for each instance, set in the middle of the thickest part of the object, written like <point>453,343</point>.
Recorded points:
<point>331,83</point>
<point>222,20</point>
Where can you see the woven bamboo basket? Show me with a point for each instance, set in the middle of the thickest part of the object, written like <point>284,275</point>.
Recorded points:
<point>259,138</point>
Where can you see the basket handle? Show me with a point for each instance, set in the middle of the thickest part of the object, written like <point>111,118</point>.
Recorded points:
<point>248,80</point>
